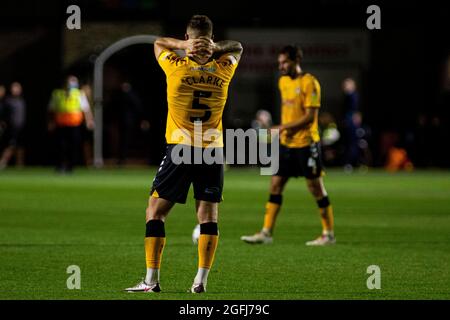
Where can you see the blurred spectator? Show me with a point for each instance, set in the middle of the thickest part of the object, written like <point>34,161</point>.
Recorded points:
<point>350,97</point>
<point>350,137</point>
<point>128,118</point>
<point>2,96</point>
<point>14,110</point>
<point>66,108</point>
<point>330,137</point>
<point>425,141</point>
<point>397,159</point>
<point>444,105</point>
<point>357,152</point>
<point>263,120</point>
<point>2,110</point>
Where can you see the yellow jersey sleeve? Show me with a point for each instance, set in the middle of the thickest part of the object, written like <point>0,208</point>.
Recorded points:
<point>228,63</point>
<point>311,93</point>
<point>169,61</point>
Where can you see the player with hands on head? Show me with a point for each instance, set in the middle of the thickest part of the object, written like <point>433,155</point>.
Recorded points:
<point>197,89</point>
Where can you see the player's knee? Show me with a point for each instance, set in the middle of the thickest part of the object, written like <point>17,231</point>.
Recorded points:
<point>316,189</point>
<point>207,219</point>
<point>207,212</point>
<point>317,193</point>
<point>276,188</point>
<point>152,213</point>
<point>207,216</point>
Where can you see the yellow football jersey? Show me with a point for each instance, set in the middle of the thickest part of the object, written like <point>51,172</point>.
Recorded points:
<point>196,94</point>
<point>297,95</point>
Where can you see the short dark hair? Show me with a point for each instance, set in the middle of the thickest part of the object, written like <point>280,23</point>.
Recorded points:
<point>293,52</point>
<point>201,25</point>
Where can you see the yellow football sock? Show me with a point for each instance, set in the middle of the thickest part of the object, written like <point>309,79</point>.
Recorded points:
<point>154,247</point>
<point>326,215</point>
<point>207,245</point>
<point>272,210</point>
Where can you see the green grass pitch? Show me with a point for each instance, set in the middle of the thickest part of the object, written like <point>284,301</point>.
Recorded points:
<point>95,219</point>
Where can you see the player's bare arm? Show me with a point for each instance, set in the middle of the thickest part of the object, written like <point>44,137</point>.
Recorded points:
<point>228,46</point>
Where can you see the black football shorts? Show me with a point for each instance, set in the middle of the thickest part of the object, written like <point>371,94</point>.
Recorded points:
<point>172,181</point>
<point>300,162</point>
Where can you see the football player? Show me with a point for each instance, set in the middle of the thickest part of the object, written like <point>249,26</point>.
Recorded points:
<point>299,147</point>
<point>197,88</point>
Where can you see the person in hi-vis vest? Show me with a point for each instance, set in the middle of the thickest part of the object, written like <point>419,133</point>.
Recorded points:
<point>68,109</point>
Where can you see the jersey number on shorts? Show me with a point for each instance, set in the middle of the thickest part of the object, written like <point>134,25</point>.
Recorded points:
<point>199,106</point>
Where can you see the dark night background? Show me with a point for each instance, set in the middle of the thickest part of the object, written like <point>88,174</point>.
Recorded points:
<point>404,78</point>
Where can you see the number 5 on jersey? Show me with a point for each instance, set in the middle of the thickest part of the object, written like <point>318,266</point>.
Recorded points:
<point>196,105</point>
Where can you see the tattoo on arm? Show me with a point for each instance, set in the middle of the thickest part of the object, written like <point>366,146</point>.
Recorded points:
<point>229,46</point>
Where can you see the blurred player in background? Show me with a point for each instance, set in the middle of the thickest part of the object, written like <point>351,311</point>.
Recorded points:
<point>263,120</point>
<point>330,137</point>
<point>68,109</point>
<point>299,147</point>
<point>197,88</point>
<point>352,124</point>
<point>14,111</point>
<point>2,99</point>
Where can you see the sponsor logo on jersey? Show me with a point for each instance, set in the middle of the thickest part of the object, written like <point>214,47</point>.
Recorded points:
<point>204,69</point>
